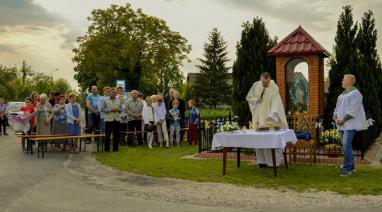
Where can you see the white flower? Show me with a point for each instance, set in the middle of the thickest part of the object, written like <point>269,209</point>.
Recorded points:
<point>370,122</point>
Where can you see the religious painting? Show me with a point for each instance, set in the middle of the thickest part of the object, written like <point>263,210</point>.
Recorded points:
<point>298,93</point>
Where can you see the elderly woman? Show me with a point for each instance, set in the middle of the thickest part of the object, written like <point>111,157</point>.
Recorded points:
<point>43,115</point>
<point>160,120</point>
<point>59,119</point>
<point>73,113</point>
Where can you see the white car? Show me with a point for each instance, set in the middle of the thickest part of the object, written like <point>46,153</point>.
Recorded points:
<point>15,118</point>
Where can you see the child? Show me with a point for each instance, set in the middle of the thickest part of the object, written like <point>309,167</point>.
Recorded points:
<point>73,111</point>
<point>29,122</point>
<point>193,123</point>
<point>174,123</point>
<point>160,120</point>
<point>148,120</point>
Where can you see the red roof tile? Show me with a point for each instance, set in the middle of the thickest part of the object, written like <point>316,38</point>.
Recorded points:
<point>298,42</point>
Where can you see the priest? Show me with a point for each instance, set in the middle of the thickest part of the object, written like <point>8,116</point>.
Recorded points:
<point>266,107</point>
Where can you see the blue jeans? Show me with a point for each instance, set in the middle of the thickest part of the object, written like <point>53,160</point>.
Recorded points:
<point>102,124</point>
<point>174,129</point>
<point>347,142</point>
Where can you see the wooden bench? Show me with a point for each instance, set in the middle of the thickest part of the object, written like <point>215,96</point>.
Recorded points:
<point>41,141</point>
<point>29,143</point>
<point>142,131</point>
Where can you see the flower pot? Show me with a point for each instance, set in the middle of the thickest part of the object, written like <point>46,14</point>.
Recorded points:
<point>333,154</point>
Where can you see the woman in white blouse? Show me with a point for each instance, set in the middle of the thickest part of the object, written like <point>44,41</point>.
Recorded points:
<point>148,116</point>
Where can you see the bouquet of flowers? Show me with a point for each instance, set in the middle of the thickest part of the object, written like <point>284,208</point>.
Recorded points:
<point>227,127</point>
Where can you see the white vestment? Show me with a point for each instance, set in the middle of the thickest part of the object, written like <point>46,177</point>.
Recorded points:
<point>270,107</point>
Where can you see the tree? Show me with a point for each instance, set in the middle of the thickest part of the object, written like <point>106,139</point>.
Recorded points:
<point>369,71</point>
<point>251,61</point>
<point>122,43</point>
<point>12,79</point>
<point>60,85</point>
<point>7,75</point>
<point>343,61</point>
<point>212,86</point>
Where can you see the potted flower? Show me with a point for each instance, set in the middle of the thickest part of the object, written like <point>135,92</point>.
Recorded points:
<point>331,141</point>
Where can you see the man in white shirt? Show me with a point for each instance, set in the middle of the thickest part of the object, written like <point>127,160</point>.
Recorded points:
<point>350,117</point>
<point>111,108</point>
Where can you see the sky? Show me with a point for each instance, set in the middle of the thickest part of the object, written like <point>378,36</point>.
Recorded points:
<point>44,32</point>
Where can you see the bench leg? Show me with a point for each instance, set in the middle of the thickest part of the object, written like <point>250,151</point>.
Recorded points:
<point>43,150</point>
<point>38,148</point>
<point>97,145</point>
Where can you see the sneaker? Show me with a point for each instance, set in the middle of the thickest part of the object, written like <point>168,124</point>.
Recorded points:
<point>5,133</point>
<point>345,173</point>
<point>352,170</point>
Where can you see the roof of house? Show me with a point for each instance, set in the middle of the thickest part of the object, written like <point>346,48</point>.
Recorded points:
<point>299,42</point>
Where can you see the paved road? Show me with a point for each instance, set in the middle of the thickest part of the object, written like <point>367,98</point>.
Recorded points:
<point>28,183</point>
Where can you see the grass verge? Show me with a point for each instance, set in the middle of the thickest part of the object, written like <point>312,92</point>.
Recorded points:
<point>169,163</point>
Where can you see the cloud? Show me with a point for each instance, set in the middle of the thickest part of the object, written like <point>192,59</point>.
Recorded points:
<point>29,17</point>
<point>27,13</point>
<point>317,13</point>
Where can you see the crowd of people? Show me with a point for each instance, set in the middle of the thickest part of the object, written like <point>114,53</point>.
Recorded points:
<point>59,115</point>
<point>152,119</point>
<point>148,118</point>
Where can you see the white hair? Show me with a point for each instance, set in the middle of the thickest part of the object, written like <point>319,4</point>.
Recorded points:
<point>43,96</point>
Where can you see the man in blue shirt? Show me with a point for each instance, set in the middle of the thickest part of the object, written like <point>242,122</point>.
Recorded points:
<point>93,109</point>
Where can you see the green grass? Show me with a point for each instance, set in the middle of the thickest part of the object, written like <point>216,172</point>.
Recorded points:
<point>214,113</point>
<point>168,163</point>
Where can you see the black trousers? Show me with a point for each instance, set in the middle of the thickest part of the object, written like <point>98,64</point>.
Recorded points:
<point>94,121</point>
<point>134,125</point>
<point>122,132</point>
<point>3,125</point>
<point>112,127</point>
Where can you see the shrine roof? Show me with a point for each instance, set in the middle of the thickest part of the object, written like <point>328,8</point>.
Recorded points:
<point>299,42</point>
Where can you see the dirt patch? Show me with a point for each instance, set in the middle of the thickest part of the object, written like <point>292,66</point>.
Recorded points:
<point>207,194</point>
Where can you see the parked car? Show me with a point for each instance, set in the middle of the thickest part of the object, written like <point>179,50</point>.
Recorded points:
<point>15,118</point>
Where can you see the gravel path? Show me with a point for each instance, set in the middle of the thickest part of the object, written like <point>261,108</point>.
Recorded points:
<point>209,194</point>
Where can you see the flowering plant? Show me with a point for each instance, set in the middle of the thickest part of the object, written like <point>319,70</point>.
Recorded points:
<point>330,136</point>
<point>369,122</point>
<point>333,148</point>
<point>227,127</point>
<point>331,140</point>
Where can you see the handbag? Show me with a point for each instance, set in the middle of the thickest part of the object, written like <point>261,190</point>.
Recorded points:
<point>150,127</point>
